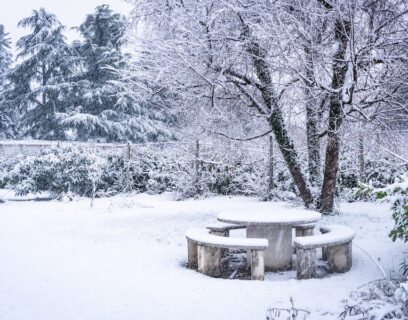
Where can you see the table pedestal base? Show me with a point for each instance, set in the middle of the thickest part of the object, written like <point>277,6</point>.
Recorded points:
<point>278,255</point>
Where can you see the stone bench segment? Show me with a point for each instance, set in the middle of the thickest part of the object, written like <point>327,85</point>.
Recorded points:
<point>331,235</point>
<point>223,229</point>
<point>205,252</point>
<point>335,242</point>
<point>304,230</point>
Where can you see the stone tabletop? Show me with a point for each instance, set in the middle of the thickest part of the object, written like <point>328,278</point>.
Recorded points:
<point>285,216</point>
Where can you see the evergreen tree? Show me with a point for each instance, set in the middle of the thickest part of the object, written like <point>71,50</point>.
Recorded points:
<point>5,55</point>
<point>6,114</point>
<point>100,108</point>
<point>40,86</point>
<point>107,104</point>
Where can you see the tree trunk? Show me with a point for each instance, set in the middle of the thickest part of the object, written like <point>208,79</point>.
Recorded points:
<point>276,121</point>
<point>342,29</point>
<point>271,182</point>
<point>312,124</point>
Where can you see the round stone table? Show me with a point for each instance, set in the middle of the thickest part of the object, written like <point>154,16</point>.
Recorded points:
<point>276,226</point>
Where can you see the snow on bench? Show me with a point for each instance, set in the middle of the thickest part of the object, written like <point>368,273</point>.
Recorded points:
<point>331,235</point>
<point>205,252</point>
<point>223,229</point>
<point>303,230</point>
<point>201,236</point>
<point>335,242</point>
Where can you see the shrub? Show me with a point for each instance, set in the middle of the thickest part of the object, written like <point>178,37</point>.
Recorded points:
<point>397,194</point>
<point>57,170</point>
<point>382,299</point>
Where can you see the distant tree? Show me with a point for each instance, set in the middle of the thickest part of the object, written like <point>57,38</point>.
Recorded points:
<point>39,80</point>
<point>5,54</point>
<point>99,109</point>
<point>107,104</point>
<point>6,122</point>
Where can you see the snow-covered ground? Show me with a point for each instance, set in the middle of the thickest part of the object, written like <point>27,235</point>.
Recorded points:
<point>123,259</point>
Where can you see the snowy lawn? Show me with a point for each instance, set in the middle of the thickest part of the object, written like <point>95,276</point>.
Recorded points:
<point>123,259</point>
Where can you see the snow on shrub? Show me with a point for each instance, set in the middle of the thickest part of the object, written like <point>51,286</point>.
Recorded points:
<point>67,170</point>
<point>382,299</point>
<point>396,194</point>
<point>86,172</point>
<point>219,169</point>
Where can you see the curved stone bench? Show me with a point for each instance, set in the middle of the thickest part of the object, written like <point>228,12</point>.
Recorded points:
<point>205,252</point>
<point>304,230</point>
<point>335,242</point>
<point>222,229</point>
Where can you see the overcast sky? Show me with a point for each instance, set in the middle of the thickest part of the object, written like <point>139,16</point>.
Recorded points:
<point>71,13</point>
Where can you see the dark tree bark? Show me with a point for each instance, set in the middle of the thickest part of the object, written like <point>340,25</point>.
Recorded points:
<point>312,123</point>
<point>342,28</point>
<point>276,120</point>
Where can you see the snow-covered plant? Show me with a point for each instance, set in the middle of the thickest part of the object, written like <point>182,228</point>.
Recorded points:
<point>6,119</point>
<point>104,104</point>
<point>67,170</point>
<point>40,78</point>
<point>97,112</point>
<point>5,54</point>
<point>291,313</point>
<point>7,164</point>
<point>396,194</point>
<point>383,172</point>
<point>379,300</point>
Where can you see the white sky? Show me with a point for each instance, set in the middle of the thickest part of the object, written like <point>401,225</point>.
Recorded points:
<point>71,13</point>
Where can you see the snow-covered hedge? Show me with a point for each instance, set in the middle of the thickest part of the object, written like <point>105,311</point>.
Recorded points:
<point>382,299</point>
<point>86,172</point>
<point>218,169</point>
<point>68,170</point>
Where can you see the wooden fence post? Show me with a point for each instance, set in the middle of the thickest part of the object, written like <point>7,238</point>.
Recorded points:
<point>361,160</point>
<point>196,165</point>
<point>271,182</point>
<point>128,175</point>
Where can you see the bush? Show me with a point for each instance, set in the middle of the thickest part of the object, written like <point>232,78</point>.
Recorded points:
<point>87,172</point>
<point>68,170</point>
<point>382,299</point>
<point>397,194</point>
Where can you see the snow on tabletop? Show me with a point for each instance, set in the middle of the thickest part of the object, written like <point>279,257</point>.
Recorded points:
<point>221,225</point>
<point>281,216</point>
<point>203,236</point>
<point>335,234</point>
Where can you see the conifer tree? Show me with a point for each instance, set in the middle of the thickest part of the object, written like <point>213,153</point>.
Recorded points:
<point>6,115</point>
<point>99,108</point>
<point>40,86</point>
<point>107,105</point>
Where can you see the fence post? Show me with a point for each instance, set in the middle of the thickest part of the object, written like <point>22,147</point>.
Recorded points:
<point>128,176</point>
<point>196,165</point>
<point>271,182</point>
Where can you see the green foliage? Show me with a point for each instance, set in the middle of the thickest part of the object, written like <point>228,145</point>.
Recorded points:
<point>397,194</point>
<point>67,170</point>
<point>6,115</point>
<point>39,81</point>
<point>86,172</point>
<point>87,90</point>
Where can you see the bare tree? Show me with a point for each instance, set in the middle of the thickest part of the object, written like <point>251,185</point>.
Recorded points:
<point>252,61</point>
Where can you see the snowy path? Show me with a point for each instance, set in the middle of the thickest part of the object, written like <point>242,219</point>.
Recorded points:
<point>122,259</point>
